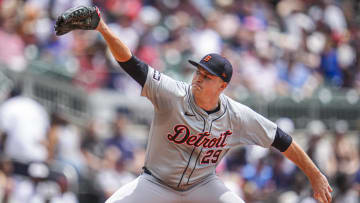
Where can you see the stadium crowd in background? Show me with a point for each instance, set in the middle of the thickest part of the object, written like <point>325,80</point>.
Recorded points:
<point>277,47</point>
<point>295,45</point>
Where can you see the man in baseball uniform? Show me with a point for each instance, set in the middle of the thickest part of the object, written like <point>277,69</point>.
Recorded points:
<point>193,128</point>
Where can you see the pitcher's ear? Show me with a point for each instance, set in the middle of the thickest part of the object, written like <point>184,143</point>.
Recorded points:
<point>224,85</point>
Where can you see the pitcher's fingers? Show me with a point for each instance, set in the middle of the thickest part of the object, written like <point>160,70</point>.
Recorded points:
<point>320,198</point>
<point>317,197</point>
<point>328,196</point>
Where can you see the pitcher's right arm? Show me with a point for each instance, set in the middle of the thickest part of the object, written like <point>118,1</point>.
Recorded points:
<point>132,65</point>
<point>118,49</point>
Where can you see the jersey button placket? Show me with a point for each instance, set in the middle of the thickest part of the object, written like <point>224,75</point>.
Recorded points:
<point>189,172</point>
<point>207,124</point>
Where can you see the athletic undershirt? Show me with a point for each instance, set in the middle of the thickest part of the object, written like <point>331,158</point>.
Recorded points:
<point>282,140</point>
<point>136,68</point>
<point>214,111</point>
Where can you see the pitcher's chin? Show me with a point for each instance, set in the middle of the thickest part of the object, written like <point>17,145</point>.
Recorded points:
<point>195,86</point>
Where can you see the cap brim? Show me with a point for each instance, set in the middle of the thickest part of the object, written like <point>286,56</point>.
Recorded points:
<point>196,64</point>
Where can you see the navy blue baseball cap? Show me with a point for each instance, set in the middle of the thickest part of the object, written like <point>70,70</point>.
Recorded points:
<point>216,65</point>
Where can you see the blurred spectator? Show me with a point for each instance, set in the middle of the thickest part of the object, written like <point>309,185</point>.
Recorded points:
<point>93,151</point>
<point>40,190</point>
<point>346,191</point>
<point>236,159</point>
<point>24,141</point>
<point>293,73</point>
<point>333,17</point>
<point>283,172</point>
<point>346,151</point>
<point>258,73</point>
<point>114,173</point>
<point>329,64</point>
<point>65,143</point>
<point>91,145</point>
<point>12,45</point>
<point>320,149</point>
<point>119,139</point>
<point>260,174</point>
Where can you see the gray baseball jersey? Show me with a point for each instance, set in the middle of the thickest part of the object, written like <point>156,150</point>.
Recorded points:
<point>186,143</point>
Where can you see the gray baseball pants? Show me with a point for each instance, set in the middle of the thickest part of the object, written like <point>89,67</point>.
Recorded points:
<point>147,189</point>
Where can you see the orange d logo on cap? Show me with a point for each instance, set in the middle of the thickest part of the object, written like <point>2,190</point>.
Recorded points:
<point>207,58</point>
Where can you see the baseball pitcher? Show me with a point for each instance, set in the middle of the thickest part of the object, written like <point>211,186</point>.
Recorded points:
<point>193,128</point>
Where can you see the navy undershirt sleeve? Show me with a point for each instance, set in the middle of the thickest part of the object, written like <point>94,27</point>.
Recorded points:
<point>136,68</point>
<point>282,140</point>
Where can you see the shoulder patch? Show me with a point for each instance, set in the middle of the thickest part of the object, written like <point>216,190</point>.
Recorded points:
<point>156,75</point>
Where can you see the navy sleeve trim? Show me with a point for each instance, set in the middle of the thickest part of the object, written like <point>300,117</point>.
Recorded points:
<point>136,68</point>
<point>282,140</point>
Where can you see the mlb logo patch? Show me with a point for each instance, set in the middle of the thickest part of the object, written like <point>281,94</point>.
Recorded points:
<point>157,75</point>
